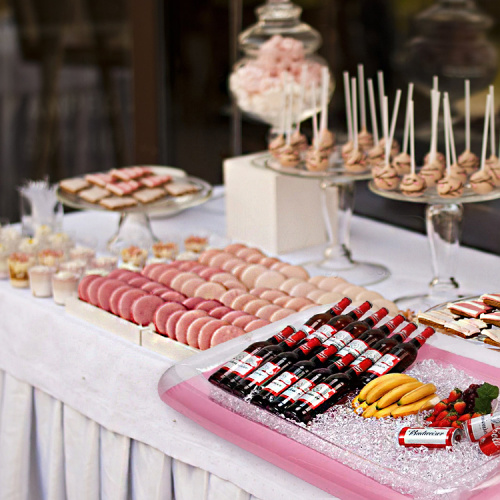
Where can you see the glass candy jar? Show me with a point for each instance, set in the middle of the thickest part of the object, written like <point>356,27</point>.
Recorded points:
<point>279,56</point>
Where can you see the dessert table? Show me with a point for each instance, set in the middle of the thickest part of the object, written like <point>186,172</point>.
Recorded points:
<point>80,416</point>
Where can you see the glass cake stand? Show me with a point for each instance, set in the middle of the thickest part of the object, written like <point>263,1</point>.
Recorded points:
<point>443,217</point>
<point>337,202</point>
<point>134,227</point>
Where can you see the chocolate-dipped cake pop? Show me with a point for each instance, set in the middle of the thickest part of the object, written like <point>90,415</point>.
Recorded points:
<point>481,182</point>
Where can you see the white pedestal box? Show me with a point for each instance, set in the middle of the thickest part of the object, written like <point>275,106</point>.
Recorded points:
<point>278,213</point>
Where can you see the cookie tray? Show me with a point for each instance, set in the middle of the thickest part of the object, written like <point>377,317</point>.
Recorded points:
<point>144,336</point>
<point>185,388</point>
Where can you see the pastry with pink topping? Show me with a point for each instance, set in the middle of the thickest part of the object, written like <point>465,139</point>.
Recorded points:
<point>412,185</point>
<point>481,182</point>
<point>387,179</point>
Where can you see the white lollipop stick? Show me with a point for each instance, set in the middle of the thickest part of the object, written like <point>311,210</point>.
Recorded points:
<point>373,110</point>
<point>485,131</point>
<point>386,119</point>
<point>450,128</point>
<point>447,141</point>
<point>289,113</point>
<point>394,118</point>
<point>325,83</point>
<point>407,119</point>
<point>492,120</point>
<point>435,116</point>
<point>412,136</point>
<point>300,108</point>
<point>381,93</point>
<point>315,116</point>
<point>467,115</point>
<point>348,112</point>
<point>435,83</point>
<point>354,113</point>
<point>362,103</point>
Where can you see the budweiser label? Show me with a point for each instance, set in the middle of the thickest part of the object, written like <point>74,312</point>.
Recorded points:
<point>384,364</point>
<point>234,361</point>
<point>247,364</point>
<point>413,437</point>
<point>372,354</point>
<point>356,347</point>
<point>279,384</point>
<point>300,334</point>
<point>327,329</point>
<point>263,374</point>
<point>490,444</point>
<point>339,340</point>
<point>477,427</point>
<point>321,336</point>
<point>318,395</point>
<point>294,392</point>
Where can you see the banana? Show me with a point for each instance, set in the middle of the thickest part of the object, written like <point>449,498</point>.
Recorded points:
<point>422,404</point>
<point>379,380</point>
<point>361,408</point>
<point>355,402</point>
<point>380,389</point>
<point>370,411</point>
<point>394,395</point>
<point>417,394</point>
<point>386,412</point>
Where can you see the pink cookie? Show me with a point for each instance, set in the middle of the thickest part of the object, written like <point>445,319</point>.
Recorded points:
<point>118,273</point>
<point>239,270</point>
<point>232,315</point>
<point>235,284</point>
<point>221,278</point>
<point>181,278</point>
<point>207,331</point>
<point>189,287</point>
<point>258,291</point>
<point>278,266</point>
<point>225,333</point>
<point>84,284</point>
<point>243,321</point>
<point>234,248</point>
<point>208,272</point>
<point>184,322</point>
<point>282,313</point>
<point>268,261</point>
<point>295,272</point>
<point>206,255</point>
<point>143,309</point>
<point>315,294</point>
<point>330,283</point>
<point>272,295</point>
<point>210,291</point>
<point>254,325</point>
<point>163,313</point>
<point>228,297</point>
<point>115,297</point>
<point>173,296</point>
<point>270,279</point>
<point>194,329</point>
<point>126,301</point>
<point>158,271</point>
<point>240,302</point>
<point>93,290</point>
<point>287,285</point>
<point>162,290</point>
<point>281,301</point>
<point>152,286</point>
<point>251,273</point>
<point>219,312</point>
<point>297,303</point>
<point>302,289</point>
<point>148,269</point>
<point>220,259</point>
<point>167,276</point>
<point>208,305</point>
<point>188,265</point>
<point>253,306</point>
<point>192,302</point>
<point>105,291</point>
<point>171,324</point>
<point>230,264</point>
<point>138,281</point>
<point>265,312</point>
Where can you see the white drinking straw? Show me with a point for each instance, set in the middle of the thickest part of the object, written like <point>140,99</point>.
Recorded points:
<point>373,110</point>
<point>300,108</point>
<point>315,115</point>
<point>362,103</point>
<point>450,128</point>
<point>386,126</point>
<point>412,136</point>
<point>467,115</point>
<point>492,120</point>
<point>485,131</point>
<point>325,83</point>
<point>354,113</point>
<point>348,112</point>
<point>407,119</point>
<point>394,118</point>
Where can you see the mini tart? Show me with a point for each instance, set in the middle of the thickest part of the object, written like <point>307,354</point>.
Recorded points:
<point>470,309</point>
<point>436,319</point>
<point>195,243</point>
<point>492,299</point>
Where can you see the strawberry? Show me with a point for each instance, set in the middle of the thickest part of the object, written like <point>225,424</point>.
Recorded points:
<point>442,415</point>
<point>456,424</point>
<point>452,416</point>
<point>474,415</point>
<point>440,407</point>
<point>446,422</point>
<point>459,406</point>
<point>454,395</point>
<point>464,417</point>
<point>430,418</point>
<point>436,423</point>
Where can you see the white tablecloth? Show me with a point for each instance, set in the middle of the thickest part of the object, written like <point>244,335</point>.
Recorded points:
<point>79,412</point>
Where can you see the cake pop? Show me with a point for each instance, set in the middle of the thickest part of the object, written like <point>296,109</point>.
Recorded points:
<point>439,158</point>
<point>289,156</point>
<point>298,140</point>
<point>481,182</point>
<point>402,163</point>
<point>450,187</point>
<point>315,160</point>
<point>365,139</point>
<point>387,178</point>
<point>394,146</point>
<point>376,155</point>
<point>458,171</point>
<point>325,141</point>
<point>276,144</point>
<point>432,172</point>
<point>347,149</point>
<point>356,162</point>
<point>494,170</point>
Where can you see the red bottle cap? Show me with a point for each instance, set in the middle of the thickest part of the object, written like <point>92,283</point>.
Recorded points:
<point>341,305</point>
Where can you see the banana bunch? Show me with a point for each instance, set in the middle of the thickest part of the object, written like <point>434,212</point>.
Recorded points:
<point>394,395</point>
